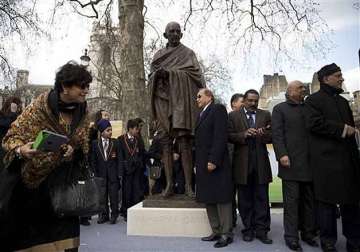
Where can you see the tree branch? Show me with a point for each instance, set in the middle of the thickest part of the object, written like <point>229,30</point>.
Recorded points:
<point>189,15</point>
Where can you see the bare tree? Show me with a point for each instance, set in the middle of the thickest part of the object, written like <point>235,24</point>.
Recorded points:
<point>246,22</point>
<point>217,77</point>
<point>18,19</point>
<point>265,23</point>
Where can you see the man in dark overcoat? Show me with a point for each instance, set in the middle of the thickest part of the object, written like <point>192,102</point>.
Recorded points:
<point>290,141</point>
<point>213,173</point>
<point>250,131</point>
<point>334,159</point>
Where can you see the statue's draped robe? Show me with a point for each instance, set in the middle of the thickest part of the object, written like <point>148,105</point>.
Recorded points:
<point>173,101</point>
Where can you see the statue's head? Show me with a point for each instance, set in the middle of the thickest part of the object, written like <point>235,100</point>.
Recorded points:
<point>173,34</point>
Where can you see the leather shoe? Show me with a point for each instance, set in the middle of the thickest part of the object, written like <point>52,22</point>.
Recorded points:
<point>311,242</point>
<point>212,237</point>
<point>328,247</point>
<point>248,237</point>
<point>294,245</point>
<point>102,219</point>
<point>223,241</point>
<point>264,239</point>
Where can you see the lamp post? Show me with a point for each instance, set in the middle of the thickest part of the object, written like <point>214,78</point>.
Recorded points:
<point>85,59</point>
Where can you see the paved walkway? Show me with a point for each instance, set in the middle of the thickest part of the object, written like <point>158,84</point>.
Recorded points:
<point>113,238</point>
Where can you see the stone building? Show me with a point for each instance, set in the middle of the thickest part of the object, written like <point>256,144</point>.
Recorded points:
<point>23,89</point>
<point>273,90</point>
<point>356,108</point>
<point>315,84</point>
<point>272,87</point>
<point>104,90</point>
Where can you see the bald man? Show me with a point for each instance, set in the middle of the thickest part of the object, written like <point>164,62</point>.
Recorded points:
<point>290,141</point>
<point>174,81</point>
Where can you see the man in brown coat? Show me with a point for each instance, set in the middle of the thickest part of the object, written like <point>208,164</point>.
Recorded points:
<point>250,131</point>
<point>174,81</point>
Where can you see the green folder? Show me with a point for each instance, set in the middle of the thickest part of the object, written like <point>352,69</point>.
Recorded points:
<point>49,141</point>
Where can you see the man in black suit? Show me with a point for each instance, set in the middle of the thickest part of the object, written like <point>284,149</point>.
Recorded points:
<point>250,131</point>
<point>213,173</point>
<point>291,145</point>
<point>131,153</point>
<point>105,163</point>
<point>334,160</point>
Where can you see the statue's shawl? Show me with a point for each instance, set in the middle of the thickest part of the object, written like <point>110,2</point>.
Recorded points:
<point>185,80</point>
<point>36,117</point>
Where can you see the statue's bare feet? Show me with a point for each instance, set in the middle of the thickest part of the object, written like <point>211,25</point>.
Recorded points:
<point>189,192</point>
<point>168,191</point>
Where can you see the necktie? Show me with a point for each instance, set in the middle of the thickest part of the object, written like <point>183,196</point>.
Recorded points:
<point>251,119</point>
<point>106,145</point>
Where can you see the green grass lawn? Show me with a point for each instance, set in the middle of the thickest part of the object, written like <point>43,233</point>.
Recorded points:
<point>275,191</point>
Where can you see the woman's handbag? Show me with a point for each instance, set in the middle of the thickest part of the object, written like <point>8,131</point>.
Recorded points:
<point>9,177</point>
<point>155,169</point>
<point>82,197</point>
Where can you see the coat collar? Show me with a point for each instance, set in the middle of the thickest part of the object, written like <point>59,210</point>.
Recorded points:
<point>291,102</point>
<point>330,90</point>
<point>258,116</point>
<point>204,114</point>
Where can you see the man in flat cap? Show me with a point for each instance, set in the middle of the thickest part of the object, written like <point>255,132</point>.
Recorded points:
<point>334,160</point>
<point>174,81</point>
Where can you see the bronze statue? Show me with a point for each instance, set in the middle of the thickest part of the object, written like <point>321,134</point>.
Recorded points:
<point>174,80</point>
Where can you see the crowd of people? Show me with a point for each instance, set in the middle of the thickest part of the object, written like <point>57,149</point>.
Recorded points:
<point>315,146</point>
<point>313,139</point>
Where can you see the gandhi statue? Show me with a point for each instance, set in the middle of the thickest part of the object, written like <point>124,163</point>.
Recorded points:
<point>175,79</point>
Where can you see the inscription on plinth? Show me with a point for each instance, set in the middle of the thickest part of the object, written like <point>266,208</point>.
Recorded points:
<point>174,201</point>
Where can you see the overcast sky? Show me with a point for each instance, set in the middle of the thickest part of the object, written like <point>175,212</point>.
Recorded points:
<point>70,35</point>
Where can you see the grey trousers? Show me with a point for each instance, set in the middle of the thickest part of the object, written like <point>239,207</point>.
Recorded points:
<point>220,218</point>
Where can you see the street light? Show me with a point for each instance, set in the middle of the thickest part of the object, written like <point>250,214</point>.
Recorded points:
<point>85,59</point>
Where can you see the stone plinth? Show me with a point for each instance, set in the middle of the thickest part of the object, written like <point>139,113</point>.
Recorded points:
<point>180,222</point>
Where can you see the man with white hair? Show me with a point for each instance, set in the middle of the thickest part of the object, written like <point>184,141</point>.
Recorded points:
<point>213,172</point>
